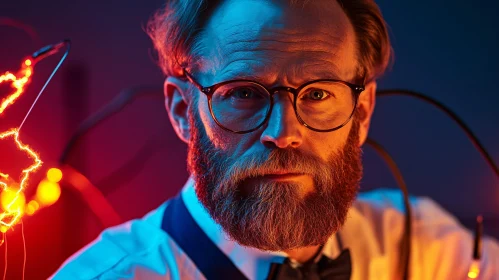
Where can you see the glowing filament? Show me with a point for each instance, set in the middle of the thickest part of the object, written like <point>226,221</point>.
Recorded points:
<point>13,209</point>
<point>12,198</point>
<point>18,83</point>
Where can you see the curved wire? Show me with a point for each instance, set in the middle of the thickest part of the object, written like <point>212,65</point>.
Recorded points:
<point>115,106</point>
<point>5,21</point>
<point>91,196</point>
<point>406,239</point>
<point>67,43</point>
<point>478,145</point>
<point>131,168</point>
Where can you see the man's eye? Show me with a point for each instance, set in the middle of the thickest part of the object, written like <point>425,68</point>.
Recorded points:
<point>245,93</point>
<point>317,94</point>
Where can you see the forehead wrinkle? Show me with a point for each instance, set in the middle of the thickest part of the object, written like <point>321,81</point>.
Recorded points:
<point>250,69</point>
<point>325,43</point>
<point>240,32</point>
<point>206,53</point>
<point>315,71</point>
<point>278,49</point>
<point>270,51</point>
<point>294,75</point>
<point>232,74</point>
<point>283,46</point>
<point>326,49</point>
<point>277,65</point>
<point>299,34</point>
<point>276,43</point>
<point>232,33</point>
<point>296,69</point>
<point>281,59</point>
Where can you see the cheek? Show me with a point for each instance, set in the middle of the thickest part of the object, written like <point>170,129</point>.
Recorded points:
<point>233,144</point>
<point>329,143</point>
<point>218,137</point>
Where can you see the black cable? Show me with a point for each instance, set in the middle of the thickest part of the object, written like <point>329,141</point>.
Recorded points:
<point>406,248</point>
<point>115,106</point>
<point>40,55</point>
<point>406,238</point>
<point>451,114</point>
<point>132,167</point>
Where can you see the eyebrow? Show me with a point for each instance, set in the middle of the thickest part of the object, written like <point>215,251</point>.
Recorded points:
<point>314,75</point>
<point>333,75</point>
<point>241,76</point>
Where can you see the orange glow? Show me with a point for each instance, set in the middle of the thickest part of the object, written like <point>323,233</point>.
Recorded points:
<point>30,210</point>
<point>18,82</point>
<point>32,207</point>
<point>35,204</point>
<point>47,192</point>
<point>14,207</point>
<point>11,198</point>
<point>54,175</point>
<point>474,270</point>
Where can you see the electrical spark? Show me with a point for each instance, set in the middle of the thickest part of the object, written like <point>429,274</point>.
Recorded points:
<point>13,210</point>
<point>18,83</point>
<point>12,214</point>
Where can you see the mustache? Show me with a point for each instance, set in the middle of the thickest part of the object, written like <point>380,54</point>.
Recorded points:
<point>274,162</point>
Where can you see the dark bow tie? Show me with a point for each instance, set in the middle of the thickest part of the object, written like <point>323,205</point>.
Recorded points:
<point>326,269</point>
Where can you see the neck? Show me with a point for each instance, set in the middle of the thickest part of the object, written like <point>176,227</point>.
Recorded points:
<point>304,254</point>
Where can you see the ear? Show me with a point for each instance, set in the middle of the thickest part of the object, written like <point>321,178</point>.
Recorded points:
<point>366,103</point>
<point>177,106</point>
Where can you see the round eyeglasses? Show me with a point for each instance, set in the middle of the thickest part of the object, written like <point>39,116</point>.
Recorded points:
<point>243,106</point>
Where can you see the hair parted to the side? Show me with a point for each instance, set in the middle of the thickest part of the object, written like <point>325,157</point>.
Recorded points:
<point>174,29</point>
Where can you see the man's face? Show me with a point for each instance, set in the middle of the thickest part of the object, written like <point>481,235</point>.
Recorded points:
<point>282,186</point>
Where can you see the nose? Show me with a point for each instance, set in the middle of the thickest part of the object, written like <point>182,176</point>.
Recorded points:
<point>283,130</point>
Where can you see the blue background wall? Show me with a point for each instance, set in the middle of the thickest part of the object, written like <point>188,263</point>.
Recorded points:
<point>445,49</point>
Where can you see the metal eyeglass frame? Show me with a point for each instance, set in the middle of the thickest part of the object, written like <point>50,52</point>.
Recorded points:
<point>209,91</point>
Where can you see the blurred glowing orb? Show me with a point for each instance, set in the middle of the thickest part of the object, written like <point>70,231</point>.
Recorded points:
<point>48,192</point>
<point>31,207</point>
<point>54,175</point>
<point>17,199</point>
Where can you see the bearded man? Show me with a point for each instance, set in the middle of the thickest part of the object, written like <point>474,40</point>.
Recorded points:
<point>274,99</point>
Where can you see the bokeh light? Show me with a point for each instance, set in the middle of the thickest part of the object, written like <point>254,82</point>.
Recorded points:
<point>47,193</point>
<point>54,175</point>
<point>15,197</point>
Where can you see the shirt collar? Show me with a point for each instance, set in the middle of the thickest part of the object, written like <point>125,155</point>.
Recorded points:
<point>253,263</point>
